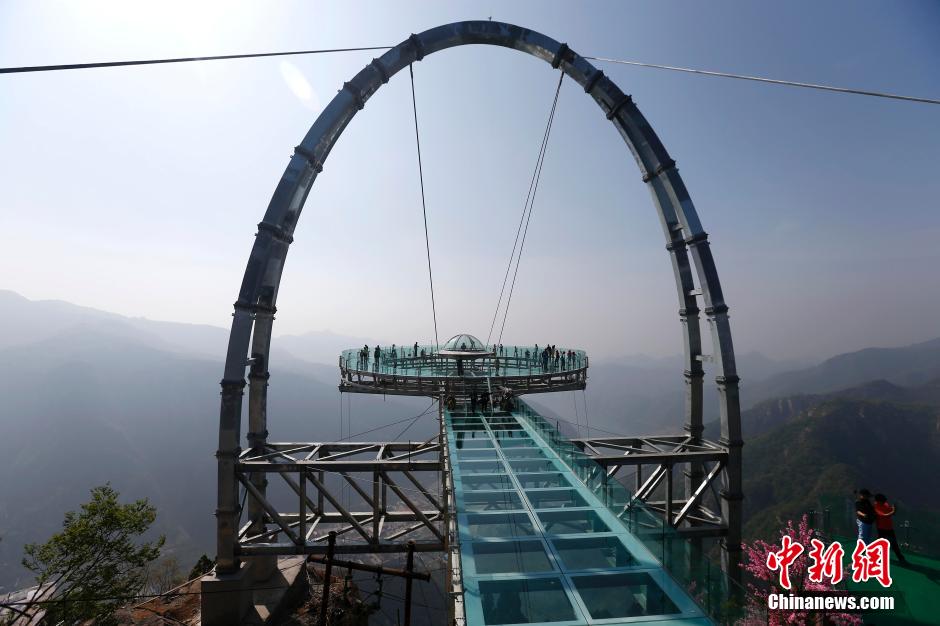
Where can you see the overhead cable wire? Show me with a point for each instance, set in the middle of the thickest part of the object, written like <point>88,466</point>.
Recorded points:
<point>383,426</point>
<point>412,423</point>
<point>221,57</point>
<point>531,201</point>
<point>424,206</point>
<point>671,68</point>
<point>255,55</point>
<point>772,81</point>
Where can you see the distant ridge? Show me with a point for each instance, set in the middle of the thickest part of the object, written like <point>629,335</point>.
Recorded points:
<point>814,459</point>
<point>907,366</point>
<point>29,321</point>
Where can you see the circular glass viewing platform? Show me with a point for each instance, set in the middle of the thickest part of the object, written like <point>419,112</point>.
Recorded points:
<point>462,364</point>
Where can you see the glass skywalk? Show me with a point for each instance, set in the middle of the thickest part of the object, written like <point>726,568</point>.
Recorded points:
<point>537,544</point>
<point>507,361</point>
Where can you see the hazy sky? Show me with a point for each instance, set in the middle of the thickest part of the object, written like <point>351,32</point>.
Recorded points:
<point>138,190</point>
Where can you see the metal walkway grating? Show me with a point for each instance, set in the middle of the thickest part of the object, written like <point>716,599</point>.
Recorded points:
<point>537,545</point>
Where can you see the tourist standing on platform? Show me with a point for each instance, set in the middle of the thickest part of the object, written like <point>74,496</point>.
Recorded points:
<point>864,515</point>
<point>884,524</point>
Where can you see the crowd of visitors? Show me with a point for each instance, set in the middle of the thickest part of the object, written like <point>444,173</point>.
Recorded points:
<point>551,358</point>
<point>547,359</point>
<point>388,356</point>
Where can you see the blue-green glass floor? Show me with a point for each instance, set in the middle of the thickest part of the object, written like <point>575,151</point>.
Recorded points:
<point>537,546</point>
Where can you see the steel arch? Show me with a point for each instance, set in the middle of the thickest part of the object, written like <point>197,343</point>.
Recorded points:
<point>686,241</point>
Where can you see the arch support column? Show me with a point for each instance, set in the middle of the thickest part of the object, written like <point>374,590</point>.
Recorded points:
<point>694,270</point>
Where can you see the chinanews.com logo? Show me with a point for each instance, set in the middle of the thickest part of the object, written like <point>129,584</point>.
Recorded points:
<point>870,561</point>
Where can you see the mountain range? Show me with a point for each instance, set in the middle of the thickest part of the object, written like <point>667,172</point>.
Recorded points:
<point>91,397</point>
<point>810,453</point>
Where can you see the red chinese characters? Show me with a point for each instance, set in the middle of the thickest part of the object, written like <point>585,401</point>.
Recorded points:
<point>869,561</point>
<point>782,559</point>
<point>826,562</point>
<point>872,561</point>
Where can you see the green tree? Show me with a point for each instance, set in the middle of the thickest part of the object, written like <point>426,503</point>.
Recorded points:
<point>95,564</point>
<point>203,566</point>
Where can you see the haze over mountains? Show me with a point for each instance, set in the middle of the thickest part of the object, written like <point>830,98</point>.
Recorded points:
<point>90,396</point>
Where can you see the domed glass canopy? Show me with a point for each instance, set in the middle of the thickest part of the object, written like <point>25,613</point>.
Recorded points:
<point>464,345</point>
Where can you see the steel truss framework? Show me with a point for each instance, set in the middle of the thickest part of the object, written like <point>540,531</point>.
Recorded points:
<point>397,496</point>
<point>698,287</point>
<point>690,511</point>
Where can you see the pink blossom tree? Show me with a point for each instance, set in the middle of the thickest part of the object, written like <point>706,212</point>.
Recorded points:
<point>764,581</point>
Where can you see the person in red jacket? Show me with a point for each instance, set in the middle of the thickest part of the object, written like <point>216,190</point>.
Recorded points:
<point>884,524</point>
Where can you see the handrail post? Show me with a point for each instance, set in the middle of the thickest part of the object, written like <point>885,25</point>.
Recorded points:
<point>327,576</point>
<point>409,568</point>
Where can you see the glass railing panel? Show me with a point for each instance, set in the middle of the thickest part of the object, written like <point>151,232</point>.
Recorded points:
<point>701,576</point>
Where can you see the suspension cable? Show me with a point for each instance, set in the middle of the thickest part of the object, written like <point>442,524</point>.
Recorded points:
<point>519,228</point>
<point>536,177</point>
<point>424,206</point>
<point>772,81</point>
<point>577,416</point>
<point>587,424</point>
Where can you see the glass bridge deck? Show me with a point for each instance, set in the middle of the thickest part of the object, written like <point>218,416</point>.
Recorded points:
<point>538,544</point>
